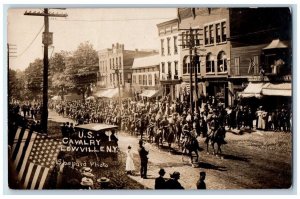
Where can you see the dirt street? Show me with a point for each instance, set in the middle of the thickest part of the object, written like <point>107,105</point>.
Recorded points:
<point>256,160</point>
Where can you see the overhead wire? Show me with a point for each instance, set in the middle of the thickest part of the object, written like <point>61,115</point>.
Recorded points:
<point>32,41</point>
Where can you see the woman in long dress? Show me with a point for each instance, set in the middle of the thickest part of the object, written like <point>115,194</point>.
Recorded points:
<point>129,161</point>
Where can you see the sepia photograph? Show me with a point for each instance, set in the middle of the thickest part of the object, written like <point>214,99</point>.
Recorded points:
<point>150,98</point>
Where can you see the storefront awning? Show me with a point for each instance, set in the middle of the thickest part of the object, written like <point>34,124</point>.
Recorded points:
<point>276,44</point>
<point>151,93</point>
<point>252,90</point>
<point>283,89</point>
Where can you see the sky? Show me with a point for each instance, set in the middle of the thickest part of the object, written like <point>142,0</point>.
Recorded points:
<point>133,27</point>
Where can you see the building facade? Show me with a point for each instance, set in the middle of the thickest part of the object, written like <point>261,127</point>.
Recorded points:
<point>116,63</point>
<point>237,46</point>
<point>145,76</point>
<point>169,57</point>
<point>213,50</point>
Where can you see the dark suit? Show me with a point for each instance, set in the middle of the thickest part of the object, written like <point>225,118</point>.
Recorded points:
<point>201,184</point>
<point>144,161</point>
<point>160,183</point>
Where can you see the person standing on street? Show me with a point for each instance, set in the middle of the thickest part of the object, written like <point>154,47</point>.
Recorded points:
<point>144,159</point>
<point>173,182</point>
<point>201,184</point>
<point>160,181</point>
<point>129,161</point>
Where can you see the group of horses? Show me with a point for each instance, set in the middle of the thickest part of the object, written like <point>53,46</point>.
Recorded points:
<point>174,134</point>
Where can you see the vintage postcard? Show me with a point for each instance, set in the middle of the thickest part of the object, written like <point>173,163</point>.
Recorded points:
<point>150,98</point>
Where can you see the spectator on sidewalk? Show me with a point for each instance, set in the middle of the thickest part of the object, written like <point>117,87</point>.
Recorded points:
<point>200,183</point>
<point>160,182</point>
<point>173,182</point>
<point>129,161</point>
<point>144,160</point>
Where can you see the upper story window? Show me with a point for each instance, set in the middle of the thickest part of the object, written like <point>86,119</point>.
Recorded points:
<point>145,80</point>
<point>168,45</point>
<point>162,67</point>
<point>222,62</point>
<point>237,66</point>
<point>169,71</point>
<point>133,79</point>
<point>211,34</point>
<point>162,47</point>
<point>176,70</point>
<point>223,26</point>
<point>221,32</point>
<point>140,79</point>
<point>206,37</point>
<point>120,61</point>
<point>210,63</point>
<point>150,80</point>
<point>175,45</point>
<point>186,64</point>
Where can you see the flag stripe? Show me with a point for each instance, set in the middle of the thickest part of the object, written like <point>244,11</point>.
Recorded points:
<point>23,176</point>
<point>16,141</point>
<point>39,178</point>
<point>25,150</point>
<point>31,176</point>
<point>24,162</point>
<point>28,174</point>
<point>45,173</point>
<point>25,135</point>
<point>36,174</point>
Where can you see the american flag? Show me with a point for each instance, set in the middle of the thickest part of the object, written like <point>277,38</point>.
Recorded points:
<point>33,156</point>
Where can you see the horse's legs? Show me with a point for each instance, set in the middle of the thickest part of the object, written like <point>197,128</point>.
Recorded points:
<point>213,146</point>
<point>197,155</point>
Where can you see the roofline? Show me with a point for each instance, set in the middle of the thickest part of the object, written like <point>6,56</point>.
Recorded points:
<point>167,22</point>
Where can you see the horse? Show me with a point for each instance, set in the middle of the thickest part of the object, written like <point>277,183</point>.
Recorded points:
<point>158,137</point>
<point>216,137</point>
<point>190,145</point>
<point>170,136</point>
<point>151,132</point>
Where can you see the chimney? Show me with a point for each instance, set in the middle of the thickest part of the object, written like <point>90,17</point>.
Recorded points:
<point>117,45</point>
<point>122,47</point>
<point>136,50</point>
<point>113,45</point>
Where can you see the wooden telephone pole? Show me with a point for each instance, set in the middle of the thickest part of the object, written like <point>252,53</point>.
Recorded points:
<point>191,41</point>
<point>47,40</point>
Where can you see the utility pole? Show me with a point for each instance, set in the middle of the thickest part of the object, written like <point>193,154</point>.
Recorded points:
<point>191,41</point>
<point>119,90</point>
<point>47,40</point>
<point>11,50</point>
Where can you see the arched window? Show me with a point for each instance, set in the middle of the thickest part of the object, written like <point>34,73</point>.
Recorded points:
<point>222,62</point>
<point>210,64</point>
<point>186,64</point>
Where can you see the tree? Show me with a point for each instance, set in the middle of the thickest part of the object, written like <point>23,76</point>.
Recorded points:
<point>34,78</point>
<point>84,57</point>
<point>15,85</point>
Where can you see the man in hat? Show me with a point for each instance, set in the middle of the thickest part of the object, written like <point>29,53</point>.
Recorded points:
<point>160,181</point>
<point>200,183</point>
<point>144,159</point>
<point>173,182</point>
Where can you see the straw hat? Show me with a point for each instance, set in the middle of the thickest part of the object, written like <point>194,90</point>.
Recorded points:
<point>103,179</point>
<point>88,174</point>
<point>87,169</point>
<point>86,181</point>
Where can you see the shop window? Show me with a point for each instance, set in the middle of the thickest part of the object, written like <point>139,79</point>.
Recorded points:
<point>210,64</point>
<point>222,62</point>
